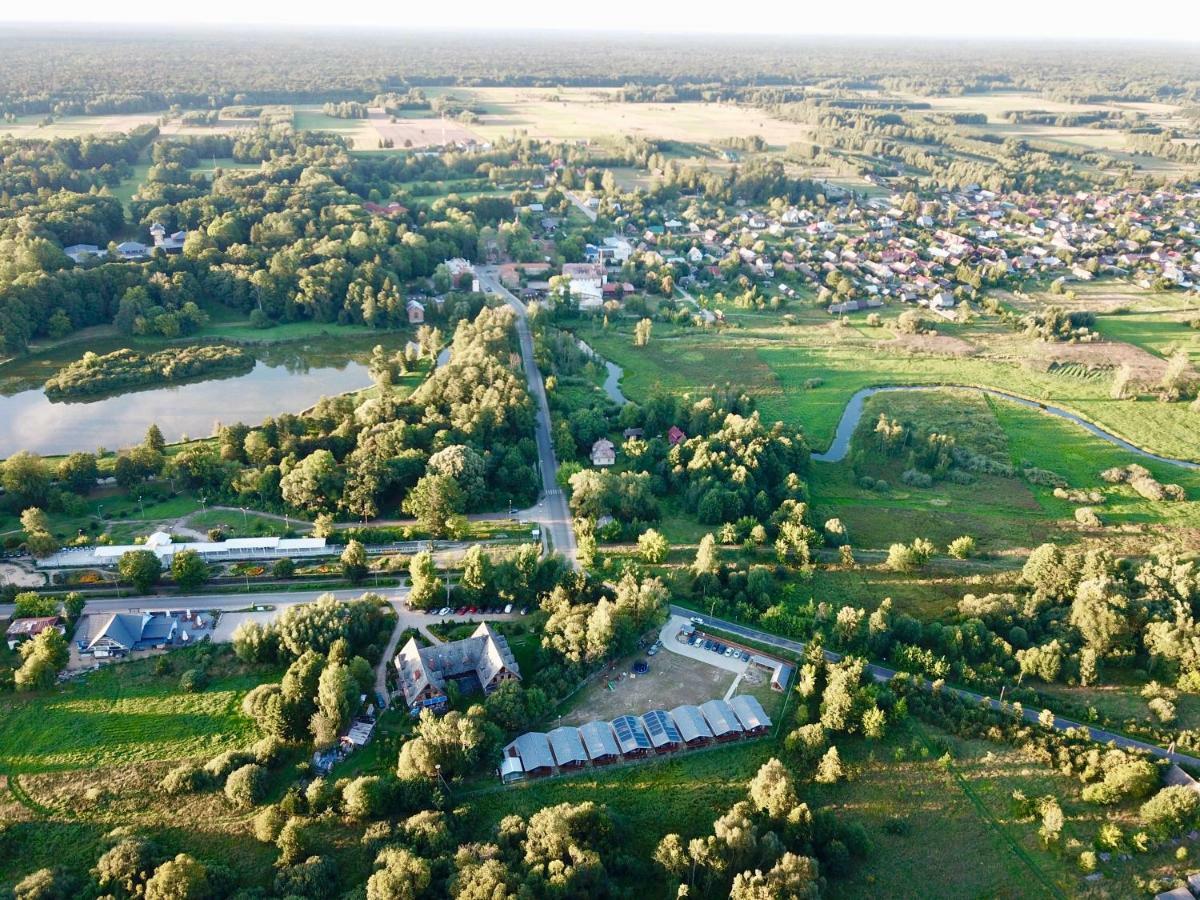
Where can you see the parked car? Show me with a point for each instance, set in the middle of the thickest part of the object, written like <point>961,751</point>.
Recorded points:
<point>508,609</point>
<point>730,652</point>
<point>745,656</point>
<point>444,611</point>
<point>719,648</point>
<point>708,645</point>
<point>653,650</point>
<point>696,620</point>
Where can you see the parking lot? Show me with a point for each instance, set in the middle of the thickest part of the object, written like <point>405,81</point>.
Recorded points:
<point>670,635</point>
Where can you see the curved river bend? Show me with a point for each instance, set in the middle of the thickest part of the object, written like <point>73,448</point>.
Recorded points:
<point>853,412</point>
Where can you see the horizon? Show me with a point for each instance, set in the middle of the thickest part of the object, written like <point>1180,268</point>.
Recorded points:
<point>936,21</point>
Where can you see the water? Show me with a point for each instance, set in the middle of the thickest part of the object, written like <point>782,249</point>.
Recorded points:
<point>30,421</point>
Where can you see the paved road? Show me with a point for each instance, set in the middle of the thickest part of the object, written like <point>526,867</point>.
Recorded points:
<point>882,673</point>
<point>840,446</point>
<point>552,511</point>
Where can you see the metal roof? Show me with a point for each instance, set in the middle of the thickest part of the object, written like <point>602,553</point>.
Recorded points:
<point>690,722</point>
<point>567,746</point>
<point>720,717</point>
<point>661,729</point>
<point>599,740</point>
<point>534,750</point>
<point>750,712</point>
<point>630,734</point>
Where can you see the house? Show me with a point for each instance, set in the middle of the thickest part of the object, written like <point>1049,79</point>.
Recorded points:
<point>695,256</point>
<point>131,250</point>
<point>675,435</point>
<point>722,720</point>
<point>603,453</point>
<point>80,253</point>
<point>459,270</point>
<point>664,736</point>
<point>390,210</point>
<point>631,736</point>
<point>567,747</point>
<point>691,725</point>
<point>600,743</point>
<point>168,243</point>
<point>482,661</point>
<point>123,633</point>
<point>533,750</point>
<point>416,312</point>
<point>632,433</point>
<point>28,628</point>
<point>750,713</point>
<point>586,282</point>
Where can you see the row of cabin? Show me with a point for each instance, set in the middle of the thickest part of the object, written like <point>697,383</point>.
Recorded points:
<point>536,754</point>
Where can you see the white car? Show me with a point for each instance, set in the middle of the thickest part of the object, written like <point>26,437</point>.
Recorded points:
<point>696,620</point>
<point>444,611</point>
<point>508,609</point>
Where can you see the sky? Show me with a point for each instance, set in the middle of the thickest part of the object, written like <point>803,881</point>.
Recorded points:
<point>1165,20</point>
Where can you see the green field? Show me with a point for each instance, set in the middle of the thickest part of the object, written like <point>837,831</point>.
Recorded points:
<point>1159,333</point>
<point>119,715</point>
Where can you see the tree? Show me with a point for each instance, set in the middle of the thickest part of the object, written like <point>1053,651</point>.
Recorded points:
<point>706,556</point>
<point>365,798</point>
<point>247,785</point>
<point>772,790</point>
<point>38,539</point>
<point>354,562</point>
<point>433,501</point>
<point>427,589</point>
<point>25,478</point>
<point>181,878</point>
<point>653,546</point>
<point>829,769</point>
<point>43,657</point>
<point>334,692</point>
<point>1098,611</point>
<point>313,484</point>
<point>793,877</point>
<point>962,547</point>
<point>468,470</point>
<point>45,884</point>
<point>189,570</point>
<point>141,568</point>
<point>126,865</point>
<point>641,332</point>
<point>476,579</point>
<point>402,876</point>
<point>154,439</point>
<point>78,473</point>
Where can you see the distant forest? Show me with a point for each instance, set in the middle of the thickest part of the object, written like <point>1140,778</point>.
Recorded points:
<point>74,70</point>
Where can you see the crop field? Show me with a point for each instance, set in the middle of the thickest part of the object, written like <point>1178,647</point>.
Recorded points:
<point>574,114</point>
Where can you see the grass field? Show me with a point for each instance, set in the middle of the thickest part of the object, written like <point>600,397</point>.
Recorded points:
<point>1160,333</point>
<point>124,714</point>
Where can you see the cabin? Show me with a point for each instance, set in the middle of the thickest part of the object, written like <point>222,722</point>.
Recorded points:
<point>691,725</point>
<point>416,312</point>
<point>664,736</point>
<point>567,747</point>
<point>533,750</point>
<point>631,737</point>
<point>722,720</point>
<point>750,714</point>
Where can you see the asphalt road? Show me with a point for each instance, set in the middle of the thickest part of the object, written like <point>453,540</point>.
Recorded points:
<point>552,512</point>
<point>882,673</point>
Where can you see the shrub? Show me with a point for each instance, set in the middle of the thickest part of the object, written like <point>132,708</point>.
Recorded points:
<point>219,767</point>
<point>193,681</point>
<point>1170,809</point>
<point>268,824</point>
<point>183,779</point>
<point>246,786</point>
<point>962,547</point>
<point>268,751</point>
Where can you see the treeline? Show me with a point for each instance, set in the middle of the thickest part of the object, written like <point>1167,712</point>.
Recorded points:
<point>94,375</point>
<point>345,109</point>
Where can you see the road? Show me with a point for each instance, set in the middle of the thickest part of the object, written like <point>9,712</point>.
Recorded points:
<point>581,206</point>
<point>552,512</point>
<point>882,674</point>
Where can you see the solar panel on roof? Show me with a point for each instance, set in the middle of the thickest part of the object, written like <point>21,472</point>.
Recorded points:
<point>659,724</point>
<point>628,730</point>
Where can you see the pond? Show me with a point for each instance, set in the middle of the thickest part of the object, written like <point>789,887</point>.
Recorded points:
<point>280,382</point>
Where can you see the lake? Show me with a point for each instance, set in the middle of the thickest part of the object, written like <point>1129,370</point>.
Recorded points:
<point>30,421</point>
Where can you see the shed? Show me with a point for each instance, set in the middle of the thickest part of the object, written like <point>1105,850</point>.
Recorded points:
<point>691,725</point>
<point>600,743</point>
<point>662,731</point>
<point>567,747</point>
<point>750,713</point>
<point>631,736</point>
<point>721,719</point>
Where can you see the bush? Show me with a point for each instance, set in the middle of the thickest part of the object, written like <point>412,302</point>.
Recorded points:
<point>915,478</point>
<point>193,681</point>
<point>219,767</point>
<point>246,786</point>
<point>1171,809</point>
<point>183,779</point>
<point>268,751</point>
<point>962,547</point>
<point>268,824</point>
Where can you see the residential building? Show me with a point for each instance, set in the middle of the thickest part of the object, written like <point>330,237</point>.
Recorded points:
<point>604,453</point>
<point>481,662</point>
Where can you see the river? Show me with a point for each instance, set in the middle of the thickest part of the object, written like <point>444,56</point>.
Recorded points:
<point>30,421</point>
<point>854,410</point>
